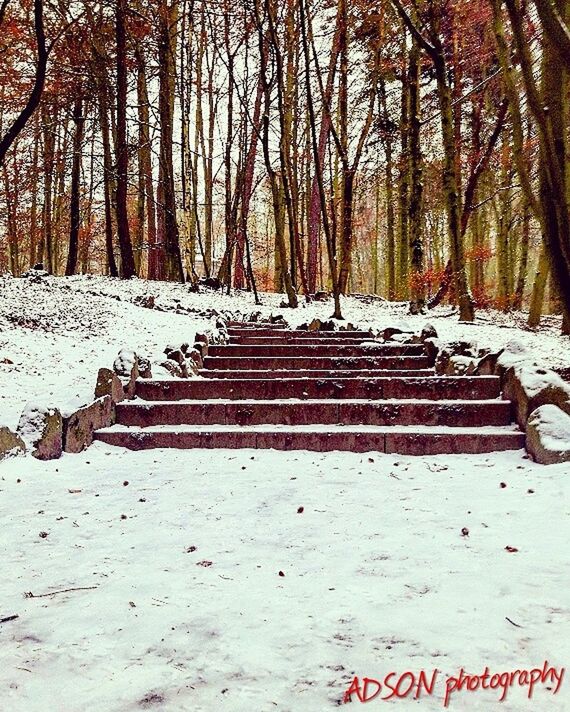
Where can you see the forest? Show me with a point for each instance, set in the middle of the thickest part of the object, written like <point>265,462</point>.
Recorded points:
<point>417,150</point>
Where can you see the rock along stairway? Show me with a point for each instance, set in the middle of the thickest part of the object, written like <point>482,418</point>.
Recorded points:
<point>322,391</point>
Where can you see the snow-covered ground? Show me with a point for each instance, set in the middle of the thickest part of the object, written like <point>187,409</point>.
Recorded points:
<point>59,331</point>
<point>394,564</point>
<point>189,611</point>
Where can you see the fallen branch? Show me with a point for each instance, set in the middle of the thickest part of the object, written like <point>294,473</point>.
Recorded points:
<point>516,625</point>
<point>29,594</point>
<point>8,619</point>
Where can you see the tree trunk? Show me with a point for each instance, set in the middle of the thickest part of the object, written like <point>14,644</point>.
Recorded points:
<point>125,246</point>
<point>38,87</point>
<point>418,292</point>
<point>74,208</point>
<point>314,212</point>
<point>146,184</point>
<point>451,187</point>
<point>403,281</point>
<point>48,126</point>
<point>173,269</point>
<point>108,182</point>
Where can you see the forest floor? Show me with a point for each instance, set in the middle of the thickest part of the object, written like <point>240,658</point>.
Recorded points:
<point>395,563</point>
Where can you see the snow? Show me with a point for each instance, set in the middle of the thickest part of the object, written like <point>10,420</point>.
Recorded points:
<point>534,379</point>
<point>125,363</point>
<point>553,428</point>
<point>33,422</point>
<point>179,552</point>
<point>378,578</point>
<point>319,428</point>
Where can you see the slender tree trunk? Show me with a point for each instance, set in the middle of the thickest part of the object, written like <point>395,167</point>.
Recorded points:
<point>145,168</point>
<point>524,254</point>
<point>280,245</point>
<point>247,191</point>
<point>108,182</point>
<point>403,281</point>
<point>451,187</point>
<point>168,17</point>
<point>390,212</point>
<point>75,210</point>
<point>418,292</point>
<point>125,245</point>
<point>539,288</point>
<point>318,166</point>
<point>34,99</point>
<point>34,242</point>
<point>48,125</point>
<point>314,213</point>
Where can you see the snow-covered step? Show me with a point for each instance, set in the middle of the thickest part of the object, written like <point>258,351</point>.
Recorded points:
<point>401,440</point>
<point>316,350</point>
<point>273,332</point>
<point>256,325</point>
<point>291,339</point>
<point>316,362</point>
<point>434,388</point>
<point>461,413</point>
<point>314,373</point>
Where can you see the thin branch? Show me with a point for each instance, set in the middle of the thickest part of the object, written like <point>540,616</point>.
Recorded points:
<point>29,594</point>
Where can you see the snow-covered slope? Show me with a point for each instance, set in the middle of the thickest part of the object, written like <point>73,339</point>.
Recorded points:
<point>395,564</point>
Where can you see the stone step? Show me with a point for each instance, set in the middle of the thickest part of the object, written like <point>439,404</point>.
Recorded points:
<point>435,388</point>
<point>290,339</point>
<point>256,325</point>
<point>316,350</point>
<point>321,362</point>
<point>464,413</point>
<point>271,332</point>
<point>309,373</point>
<point>394,440</point>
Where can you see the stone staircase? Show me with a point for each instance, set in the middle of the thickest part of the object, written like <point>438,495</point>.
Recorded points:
<point>302,390</point>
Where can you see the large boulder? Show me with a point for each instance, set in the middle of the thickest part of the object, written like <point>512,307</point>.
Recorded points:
<point>390,332</point>
<point>444,364</point>
<point>178,370</point>
<point>432,347</point>
<point>548,435</point>
<point>10,443</point>
<point>145,367</point>
<point>42,430</point>
<point>176,355</point>
<point>194,360</point>
<point>126,363</point>
<point>461,366</point>
<point>109,384</point>
<point>78,428</point>
<point>428,332</point>
<point>487,366</point>
<point>202,348</point>
<point>405,338</point>
<point>126,366</point>
<point>513,353</point>
<point>172,348</point>
<point>530,386</point>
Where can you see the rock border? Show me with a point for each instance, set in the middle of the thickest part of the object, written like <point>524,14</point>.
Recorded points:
<point>527,384</point>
